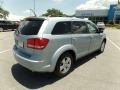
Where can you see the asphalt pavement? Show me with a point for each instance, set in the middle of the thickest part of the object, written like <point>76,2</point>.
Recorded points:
<point>93,72</point>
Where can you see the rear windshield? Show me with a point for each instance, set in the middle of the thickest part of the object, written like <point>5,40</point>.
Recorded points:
<point>30,27</point>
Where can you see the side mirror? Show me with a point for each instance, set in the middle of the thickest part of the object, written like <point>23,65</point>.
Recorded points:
<point>101,30</point>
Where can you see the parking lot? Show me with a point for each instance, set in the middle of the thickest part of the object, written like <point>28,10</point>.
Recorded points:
<point>94,72</point>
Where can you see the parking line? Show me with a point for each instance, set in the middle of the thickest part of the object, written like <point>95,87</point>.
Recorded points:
<point>114,44</point>
<point>5,51</point>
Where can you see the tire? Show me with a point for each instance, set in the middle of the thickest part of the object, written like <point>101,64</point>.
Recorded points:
<point>4,29</point>
<point>13,29</point>
<point>64,65</point>
<point>102,47</point>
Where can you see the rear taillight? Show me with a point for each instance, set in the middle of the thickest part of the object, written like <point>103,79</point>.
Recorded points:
<point>37,43</point>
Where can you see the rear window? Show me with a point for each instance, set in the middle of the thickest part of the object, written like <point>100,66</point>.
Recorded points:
<point>30,27</point>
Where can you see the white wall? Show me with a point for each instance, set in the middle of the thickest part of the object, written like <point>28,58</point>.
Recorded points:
<point>91,13</point>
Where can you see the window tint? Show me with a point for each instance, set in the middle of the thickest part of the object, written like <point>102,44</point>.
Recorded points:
<point>92,28</point>
<point>79,27</point>
<point>62,28</point>
<point>30,27</point>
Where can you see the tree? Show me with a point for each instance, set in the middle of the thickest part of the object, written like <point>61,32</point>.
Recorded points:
<point>54,13</point>
<point>3,13</point>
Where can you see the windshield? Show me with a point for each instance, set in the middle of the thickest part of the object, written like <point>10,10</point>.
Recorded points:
<point>30,27</point>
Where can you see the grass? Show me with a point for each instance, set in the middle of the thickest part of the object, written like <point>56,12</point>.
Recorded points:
<point>113,25</point>
<point>118,26</point>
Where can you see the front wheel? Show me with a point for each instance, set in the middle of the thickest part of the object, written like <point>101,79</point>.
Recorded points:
<point>64,65</point>
<point>101,50</point>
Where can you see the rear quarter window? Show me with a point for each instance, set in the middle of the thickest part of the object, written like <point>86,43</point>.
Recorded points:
<point>30,27</point>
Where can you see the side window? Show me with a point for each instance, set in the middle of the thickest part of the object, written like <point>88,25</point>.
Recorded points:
<point>62,28</point>
<point>79,27</point>
<point>92,28</point>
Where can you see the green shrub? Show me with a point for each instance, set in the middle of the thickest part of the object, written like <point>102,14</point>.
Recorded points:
<point>118,26</point>
<point>110,24</point>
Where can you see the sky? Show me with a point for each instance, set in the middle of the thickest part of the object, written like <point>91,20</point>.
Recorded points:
<point>21,8</point>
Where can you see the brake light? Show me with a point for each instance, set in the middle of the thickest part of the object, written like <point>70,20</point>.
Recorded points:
<point>37,43</point>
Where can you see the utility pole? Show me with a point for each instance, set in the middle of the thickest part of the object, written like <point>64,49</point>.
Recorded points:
<point>1,3</point>
<point>34,8</point>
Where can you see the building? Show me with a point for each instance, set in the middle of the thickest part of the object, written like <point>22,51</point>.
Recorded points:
<point>102,15</point>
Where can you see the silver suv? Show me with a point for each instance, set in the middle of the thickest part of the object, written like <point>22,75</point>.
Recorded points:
<point>53,44</point>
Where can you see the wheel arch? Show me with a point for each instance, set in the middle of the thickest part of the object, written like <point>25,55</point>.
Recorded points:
<point>64,49</point>
<point>105,40</point>
<point>72,53</point>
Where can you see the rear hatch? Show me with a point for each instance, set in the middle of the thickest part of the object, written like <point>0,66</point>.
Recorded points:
<point>27,34</point>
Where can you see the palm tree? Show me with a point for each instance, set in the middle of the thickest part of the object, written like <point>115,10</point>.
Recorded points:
<point>3,13</point>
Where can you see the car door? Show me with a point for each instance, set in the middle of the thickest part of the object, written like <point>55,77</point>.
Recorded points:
<point>80,38</point>
<point>95,37</point>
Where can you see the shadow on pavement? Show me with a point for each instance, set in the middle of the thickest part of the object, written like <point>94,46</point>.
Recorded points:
<point>85,59</point>
<point>34,80</point>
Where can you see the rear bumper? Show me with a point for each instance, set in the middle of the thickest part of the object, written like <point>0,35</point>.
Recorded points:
<point>102,27</point>
<point>35,66</point>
